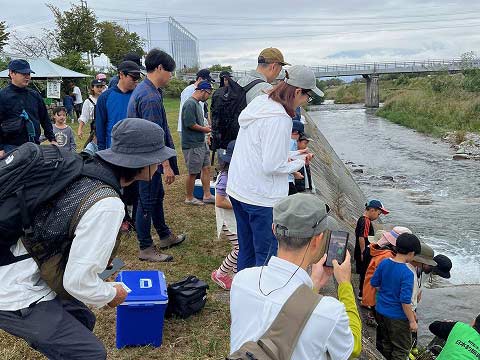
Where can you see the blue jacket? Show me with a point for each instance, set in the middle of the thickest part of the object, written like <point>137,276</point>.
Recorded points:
<point>111,108</point>
<point>147,103</point>
<point>13,100</point>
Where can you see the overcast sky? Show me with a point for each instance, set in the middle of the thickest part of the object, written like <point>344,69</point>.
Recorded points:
<point>307,31</point>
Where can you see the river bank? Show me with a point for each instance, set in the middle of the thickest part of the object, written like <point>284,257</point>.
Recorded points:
<point>434,105</point>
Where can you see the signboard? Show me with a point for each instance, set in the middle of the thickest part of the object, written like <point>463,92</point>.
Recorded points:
<point>53,89</point>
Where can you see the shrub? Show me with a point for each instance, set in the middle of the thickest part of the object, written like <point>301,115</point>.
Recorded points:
<point>175,87</point>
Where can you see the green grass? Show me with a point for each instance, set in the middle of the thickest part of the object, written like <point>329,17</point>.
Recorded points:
<point>203,336</point>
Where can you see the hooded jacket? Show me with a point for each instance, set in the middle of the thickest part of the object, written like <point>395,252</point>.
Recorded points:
<point>258,172</point>
<point>378,255</point>
<point>258,89</point>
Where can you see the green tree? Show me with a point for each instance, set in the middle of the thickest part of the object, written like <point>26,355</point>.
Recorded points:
<point>76,29</point>
<point>73,61</point>
<point>218,67</point>
<point>471,72</point>
<point>115,41</point>
<point>4,34</point>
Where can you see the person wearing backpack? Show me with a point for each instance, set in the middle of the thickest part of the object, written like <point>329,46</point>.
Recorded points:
<point>70,240</point>
<point>258,173</point>
<point>270,63</point>
<point>88,109</point>
<point>258,295</point>
<point>22,110</point>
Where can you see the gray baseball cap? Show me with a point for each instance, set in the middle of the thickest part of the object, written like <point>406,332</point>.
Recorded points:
<point>426,255</point>
<point>302,215</point>
<point>302,77</point>
<point>137,143</point>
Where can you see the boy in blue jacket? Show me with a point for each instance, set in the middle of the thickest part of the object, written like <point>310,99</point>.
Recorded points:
<point>394,282</point>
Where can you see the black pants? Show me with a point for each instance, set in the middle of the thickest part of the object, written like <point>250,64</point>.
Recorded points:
<point>396,338</point>
<point>59,329</point>
<point>362,267</point>
<point>291,188</point>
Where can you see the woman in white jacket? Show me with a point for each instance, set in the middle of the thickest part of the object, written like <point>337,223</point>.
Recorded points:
<point>261,162</point>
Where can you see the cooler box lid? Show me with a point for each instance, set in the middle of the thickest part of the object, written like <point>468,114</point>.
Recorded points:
<point>147,287</point>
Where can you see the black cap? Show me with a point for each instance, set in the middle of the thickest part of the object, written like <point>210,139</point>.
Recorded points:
<point>205,75</point>
<point>129,67</point>
<point>20,66</point>
<point>407,243</point>
<point>97,82</point>
<point>444,265</point>
<point>224,74</point>
<point>135,58</point>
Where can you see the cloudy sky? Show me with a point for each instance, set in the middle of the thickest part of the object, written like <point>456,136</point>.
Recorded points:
<point>307,31</point>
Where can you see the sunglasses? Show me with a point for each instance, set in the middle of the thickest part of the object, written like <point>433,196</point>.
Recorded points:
<point>134,76</point>
<point>309,93</point>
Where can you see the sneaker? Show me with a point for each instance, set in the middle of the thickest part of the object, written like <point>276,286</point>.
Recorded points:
<point>194,201</point>
<point>152,254</point>
<point>210,200</point>
<point>171,240</point>
<point>224,281</point>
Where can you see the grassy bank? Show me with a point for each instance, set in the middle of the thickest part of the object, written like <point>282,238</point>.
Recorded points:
<point>204,336</point>
<point>433,105</point>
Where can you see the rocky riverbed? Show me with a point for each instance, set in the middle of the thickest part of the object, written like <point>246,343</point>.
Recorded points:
<point>466,145</point>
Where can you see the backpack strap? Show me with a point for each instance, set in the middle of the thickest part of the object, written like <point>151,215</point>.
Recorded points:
<point>250,85</point>
<point>280,339</point>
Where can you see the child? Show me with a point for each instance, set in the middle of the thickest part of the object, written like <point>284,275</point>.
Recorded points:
<point>64,136</point>
<point>300,183</point>
<point>297,130</point>
<point>394,282</point>
<point>225,222</point>
<point>363,230</point>
<point>68,104</point>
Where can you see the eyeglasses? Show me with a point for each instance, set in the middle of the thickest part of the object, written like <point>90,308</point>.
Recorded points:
<point>208,91</point>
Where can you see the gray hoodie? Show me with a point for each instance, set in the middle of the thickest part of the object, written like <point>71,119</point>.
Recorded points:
<point>258,89</point>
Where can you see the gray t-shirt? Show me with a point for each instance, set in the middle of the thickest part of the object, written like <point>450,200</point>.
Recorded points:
<point>65,138</point>
<point>192,114</point>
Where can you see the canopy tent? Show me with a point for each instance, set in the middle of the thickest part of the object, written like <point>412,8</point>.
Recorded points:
<point>45,69</point>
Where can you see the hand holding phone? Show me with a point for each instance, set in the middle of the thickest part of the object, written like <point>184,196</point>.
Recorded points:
<point>337,247</point>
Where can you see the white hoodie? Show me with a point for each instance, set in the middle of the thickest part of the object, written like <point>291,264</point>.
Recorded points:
<point>258,171</point>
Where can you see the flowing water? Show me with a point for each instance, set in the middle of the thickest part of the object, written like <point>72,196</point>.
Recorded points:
<point>415,177</point>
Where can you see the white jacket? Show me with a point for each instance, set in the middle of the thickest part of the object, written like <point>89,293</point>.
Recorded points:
<point>258,172</point>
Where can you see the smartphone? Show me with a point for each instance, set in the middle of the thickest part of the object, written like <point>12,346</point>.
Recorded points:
<point>337,247</point>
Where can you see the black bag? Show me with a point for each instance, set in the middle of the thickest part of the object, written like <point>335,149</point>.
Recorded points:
<point>227,104</point>
<point>13,126</point>
<point>186,297</point>
<point>29,176</point>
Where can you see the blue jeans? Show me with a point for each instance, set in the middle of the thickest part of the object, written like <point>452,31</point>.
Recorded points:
<point>150,209</point>
<point>255,236</point>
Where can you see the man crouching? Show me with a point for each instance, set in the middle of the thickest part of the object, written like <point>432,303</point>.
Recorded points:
<point>53,318</point>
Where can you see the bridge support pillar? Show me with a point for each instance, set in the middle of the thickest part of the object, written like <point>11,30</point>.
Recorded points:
<point>372,95</point>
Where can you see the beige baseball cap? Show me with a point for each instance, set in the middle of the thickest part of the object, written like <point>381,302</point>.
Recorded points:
<point>271,55</point>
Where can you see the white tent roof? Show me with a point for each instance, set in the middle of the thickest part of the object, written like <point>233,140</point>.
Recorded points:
<point>44,68</point>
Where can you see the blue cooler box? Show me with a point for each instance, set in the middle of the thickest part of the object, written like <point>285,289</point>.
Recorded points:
<point>198,189</point>
<point>140,317</point>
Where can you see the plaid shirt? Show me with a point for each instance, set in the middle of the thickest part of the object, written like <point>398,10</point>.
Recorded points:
<point>146,103</point>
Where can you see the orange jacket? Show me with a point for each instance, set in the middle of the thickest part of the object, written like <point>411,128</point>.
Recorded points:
<point>378,255</point>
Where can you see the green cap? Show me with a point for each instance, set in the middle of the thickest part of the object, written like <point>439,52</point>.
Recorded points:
<point>426,255</point>
<point>302,215</point>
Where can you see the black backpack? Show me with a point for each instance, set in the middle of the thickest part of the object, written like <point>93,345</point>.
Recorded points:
<point>29,176</point>
<point>227,104</point>
<point>186,297</point>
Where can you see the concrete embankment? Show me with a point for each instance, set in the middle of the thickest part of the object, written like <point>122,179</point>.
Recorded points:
<point>335,185</point>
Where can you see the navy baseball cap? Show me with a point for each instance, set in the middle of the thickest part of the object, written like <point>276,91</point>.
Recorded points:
<point>377,204</point>
<point>204,85</point>
<point>20,66</point>
<point>298,126</point>
<point>205,75</point>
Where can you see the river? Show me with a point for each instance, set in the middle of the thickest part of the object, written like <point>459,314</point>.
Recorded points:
<point>415,177</point>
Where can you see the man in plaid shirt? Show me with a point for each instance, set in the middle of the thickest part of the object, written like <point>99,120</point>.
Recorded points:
<point>146,102</point>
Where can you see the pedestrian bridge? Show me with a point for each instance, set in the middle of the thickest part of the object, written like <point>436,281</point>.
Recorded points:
<point>371,72</point>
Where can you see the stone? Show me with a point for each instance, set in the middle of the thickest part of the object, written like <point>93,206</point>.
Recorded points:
<point>358,171</point>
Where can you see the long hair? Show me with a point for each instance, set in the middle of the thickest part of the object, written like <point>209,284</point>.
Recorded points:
<point>284,94</point>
